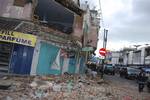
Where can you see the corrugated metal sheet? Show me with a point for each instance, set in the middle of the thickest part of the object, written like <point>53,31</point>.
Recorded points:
<point>21,59</point>
<point>47,56</point>
<point>72,65</point>
<point>82,65</point>
<point>65,65</point>
<point>5,55</point>
<point>7,24</point>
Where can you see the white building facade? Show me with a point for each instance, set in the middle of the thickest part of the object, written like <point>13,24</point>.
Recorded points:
<point>137,57</point>
<point>114,58</point>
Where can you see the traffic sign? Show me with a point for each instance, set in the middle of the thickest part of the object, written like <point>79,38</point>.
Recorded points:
<point>102,52</point>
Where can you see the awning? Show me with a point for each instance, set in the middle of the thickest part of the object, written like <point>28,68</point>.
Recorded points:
<point>8,24</point>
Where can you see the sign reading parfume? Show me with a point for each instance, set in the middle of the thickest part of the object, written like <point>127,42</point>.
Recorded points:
<point>17,37</point>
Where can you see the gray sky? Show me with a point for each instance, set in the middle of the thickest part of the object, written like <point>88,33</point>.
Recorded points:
<point>128,22</point>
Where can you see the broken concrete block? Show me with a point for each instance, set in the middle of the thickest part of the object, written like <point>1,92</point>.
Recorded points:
<point>57,88</point>
<point>5,84</point>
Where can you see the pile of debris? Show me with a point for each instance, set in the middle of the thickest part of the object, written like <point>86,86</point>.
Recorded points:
<point>65,87</point>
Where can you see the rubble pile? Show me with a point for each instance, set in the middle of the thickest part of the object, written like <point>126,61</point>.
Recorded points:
<point>66,87</point>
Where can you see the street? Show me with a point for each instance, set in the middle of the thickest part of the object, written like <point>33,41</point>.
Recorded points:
<point>70,88</point>
<point>126,88</point>
<point>60,49</point>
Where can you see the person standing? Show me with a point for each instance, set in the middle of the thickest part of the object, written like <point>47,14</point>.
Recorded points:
<point>141,80</point>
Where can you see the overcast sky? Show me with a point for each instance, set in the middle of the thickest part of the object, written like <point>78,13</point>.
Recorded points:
<point>128,22</point>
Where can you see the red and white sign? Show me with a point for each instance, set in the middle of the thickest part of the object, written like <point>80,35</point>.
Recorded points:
<point>102,52</point>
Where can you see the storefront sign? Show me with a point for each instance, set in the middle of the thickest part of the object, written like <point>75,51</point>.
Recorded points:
<point>17,37</point>
<point>87,49</point>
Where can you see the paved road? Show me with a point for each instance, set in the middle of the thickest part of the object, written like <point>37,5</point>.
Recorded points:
<point>118,81</point>
<point>127,87</point>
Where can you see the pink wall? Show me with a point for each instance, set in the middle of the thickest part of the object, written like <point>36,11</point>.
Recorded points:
<point>93,36</point>
<point>78,24</point>
<point>9,10</point>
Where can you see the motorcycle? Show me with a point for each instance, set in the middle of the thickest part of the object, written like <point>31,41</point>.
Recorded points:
<point>141,86</point>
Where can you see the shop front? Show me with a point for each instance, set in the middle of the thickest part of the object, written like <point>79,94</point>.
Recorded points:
<point>16,52</point>
<point>49,59</point>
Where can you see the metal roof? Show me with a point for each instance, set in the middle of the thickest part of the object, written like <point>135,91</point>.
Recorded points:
<point>8,24</point>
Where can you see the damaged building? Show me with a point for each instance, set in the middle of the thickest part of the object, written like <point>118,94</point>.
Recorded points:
<point>48,37</point>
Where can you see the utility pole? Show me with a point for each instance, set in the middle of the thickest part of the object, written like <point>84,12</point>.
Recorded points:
<point>104,46</point>
<point>105,36</point>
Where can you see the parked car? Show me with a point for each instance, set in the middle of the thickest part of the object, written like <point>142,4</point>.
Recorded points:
<point>132,73</point>
<point>129,73</point>
<point>117,69</point>
<point>147,71</point>
<point>109,69</point>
